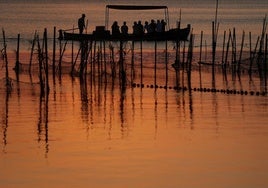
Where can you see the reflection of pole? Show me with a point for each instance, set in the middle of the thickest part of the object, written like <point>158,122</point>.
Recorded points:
<point>6,121</point>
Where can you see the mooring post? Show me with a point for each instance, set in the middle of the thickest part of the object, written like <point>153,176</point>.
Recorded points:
<point>141,63</point>
<point>265,61</point>
<point>241,52</point>
<point>32,50</point>
<point>132,62</point>
<point>155,61</point>
<point>166,62</point>
<point>54,53</point>
<point>223,47</point>
<point>189,60</point>
<point>200,59</point>
<point>177,64</point>
<point>40,60</point>
<point>122,73</point>
<point>46,62</point>
<point>105,63</point>
<point>5,58</point>
<point>17,66</point>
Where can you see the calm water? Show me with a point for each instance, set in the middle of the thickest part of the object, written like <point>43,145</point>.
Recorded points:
<point>94,134</point>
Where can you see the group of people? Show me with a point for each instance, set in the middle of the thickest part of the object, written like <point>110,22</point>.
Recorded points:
<point>138,28</point>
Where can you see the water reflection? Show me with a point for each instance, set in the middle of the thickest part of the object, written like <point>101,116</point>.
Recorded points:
<point>116,111</point>
<point>5,120</point>
<point>42,123</point>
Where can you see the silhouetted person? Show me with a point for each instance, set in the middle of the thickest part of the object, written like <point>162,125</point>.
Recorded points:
<point>152,27</point>
<point>163,25</point>
<point>81,23</point>
<point>146,27</point>
<point>158,26</point>
<point>140,28</point>
<point>124,28</point>
<point>135,28</point>
<point>115,28</point>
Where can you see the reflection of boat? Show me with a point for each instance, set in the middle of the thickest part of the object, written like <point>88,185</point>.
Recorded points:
<point>102,32</point>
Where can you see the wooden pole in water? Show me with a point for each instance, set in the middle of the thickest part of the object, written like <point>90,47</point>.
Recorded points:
<point>141,62</point>
<point>250,54</point>
<point>166,61</point>
<point>32,50</point>
<point>183,62</point>
<point>40,60</point>
<point>132,62</point>
<point>241,51</point>
<point>200,59</point>
<point>265,61</point>
<point>155,60</point>
<point>5,57</point>
<point>234,51</point>
<point>227,47</point>
<point>46,62</point>
<point>54,53</point>
<point>213,45</point>
<point>17,66</point>
<point>189,60</point>
<point>223,47</point>
<point>201,47</point>
<point>105,63</point>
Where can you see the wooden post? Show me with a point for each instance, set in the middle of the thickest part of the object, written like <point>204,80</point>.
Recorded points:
<point>132,62</point>
<point>201,47</point>
<point>32,50</point>
<point>40,60</point>
<point>241,51</point>
<point>166,61</point>
<point>234,50</point>
<point>265,61</point>
<point>155,60</point>
<point>227,47</point>
<point>54,53</point>
<point>223,47</point>
<point>141,62</point>
<point>200,59</point>
<point>17,66</point>
<point>46,62</point>
<point>5,58</point>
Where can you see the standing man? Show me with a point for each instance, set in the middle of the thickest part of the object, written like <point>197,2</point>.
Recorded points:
<point>124,28</point>
<point>81,23</point>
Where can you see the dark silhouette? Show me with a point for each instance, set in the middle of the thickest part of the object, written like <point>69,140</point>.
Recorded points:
<point>140,28</point>
<point>135,28</point>
<point>152,27</point>
<point>115,28</point>
<point>124,29</point>
<point>163,25</point>
<point>159,26</point>
<point>146,27</point>
<point>81,23</point>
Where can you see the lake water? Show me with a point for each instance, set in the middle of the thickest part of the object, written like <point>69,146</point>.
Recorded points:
<point>92,133</point>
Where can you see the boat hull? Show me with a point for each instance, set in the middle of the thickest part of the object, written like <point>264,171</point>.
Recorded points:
<point>171,35</point>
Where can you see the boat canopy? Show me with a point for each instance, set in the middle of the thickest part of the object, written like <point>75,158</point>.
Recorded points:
<point>135,7</point>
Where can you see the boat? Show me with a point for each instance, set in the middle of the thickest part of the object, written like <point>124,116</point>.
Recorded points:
<point>102,33</point>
